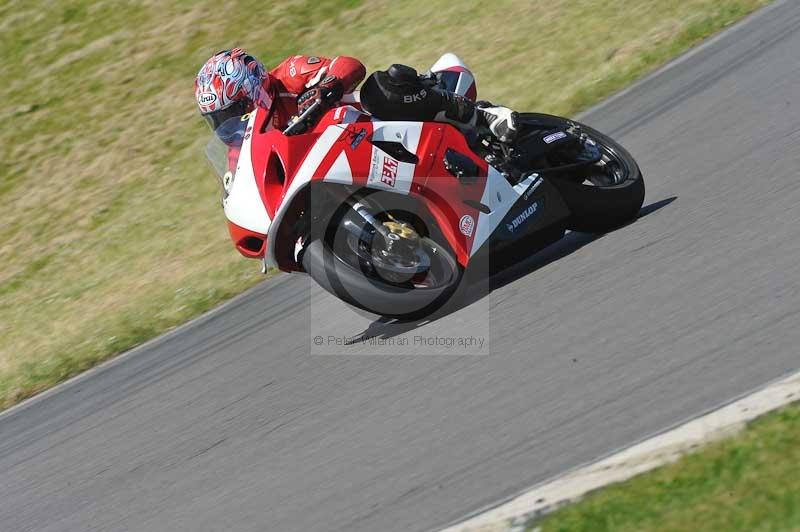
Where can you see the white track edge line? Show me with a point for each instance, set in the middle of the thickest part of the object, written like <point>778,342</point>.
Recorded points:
<point>641,457</point>
<point>491,517</point>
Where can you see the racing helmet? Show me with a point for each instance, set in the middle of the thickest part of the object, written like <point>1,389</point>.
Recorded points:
<point>231,83</point>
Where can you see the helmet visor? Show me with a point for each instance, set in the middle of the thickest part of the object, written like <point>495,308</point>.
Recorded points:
<point>218,117</point>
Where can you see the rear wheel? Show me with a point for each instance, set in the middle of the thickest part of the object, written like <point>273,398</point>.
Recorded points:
<point>607,194</point>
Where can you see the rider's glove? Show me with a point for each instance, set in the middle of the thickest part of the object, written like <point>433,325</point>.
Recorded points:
<point>330,90</point>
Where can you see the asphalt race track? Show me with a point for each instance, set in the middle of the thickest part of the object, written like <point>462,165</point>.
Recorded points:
<point>231,424</point>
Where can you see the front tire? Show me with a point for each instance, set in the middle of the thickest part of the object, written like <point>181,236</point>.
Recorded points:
<point>374,295</point>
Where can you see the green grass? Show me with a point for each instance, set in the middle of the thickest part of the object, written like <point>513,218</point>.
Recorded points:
<point>749,482</point>
<point>111,226</point>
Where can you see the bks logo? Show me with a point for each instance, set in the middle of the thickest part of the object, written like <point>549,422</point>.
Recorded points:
<point>411,98</point>
<point>389,172</point>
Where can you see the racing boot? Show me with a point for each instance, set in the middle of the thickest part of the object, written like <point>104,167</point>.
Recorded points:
<point>501,121</point>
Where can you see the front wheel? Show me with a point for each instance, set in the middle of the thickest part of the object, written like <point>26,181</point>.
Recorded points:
<point>411,280</point>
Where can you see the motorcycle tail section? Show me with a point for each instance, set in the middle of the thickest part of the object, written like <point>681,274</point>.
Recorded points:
<point>456,76</point>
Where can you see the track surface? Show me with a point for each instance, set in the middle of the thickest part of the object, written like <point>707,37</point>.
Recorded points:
<point>230,423</point>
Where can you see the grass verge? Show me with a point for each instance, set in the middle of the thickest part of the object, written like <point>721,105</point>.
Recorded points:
<point>749,482</point>
<point>112,231</point>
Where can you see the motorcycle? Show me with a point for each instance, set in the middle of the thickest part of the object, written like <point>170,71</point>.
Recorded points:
<point>388,215</point>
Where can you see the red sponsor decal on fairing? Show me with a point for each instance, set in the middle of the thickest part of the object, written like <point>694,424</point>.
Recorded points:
<point>389,173</point>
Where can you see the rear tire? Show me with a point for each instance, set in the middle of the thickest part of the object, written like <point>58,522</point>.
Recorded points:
<point>596,209</point>
<point>599,209</point>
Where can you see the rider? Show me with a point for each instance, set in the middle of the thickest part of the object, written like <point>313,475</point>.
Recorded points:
<point>232,82</point>
<point>399,93</point>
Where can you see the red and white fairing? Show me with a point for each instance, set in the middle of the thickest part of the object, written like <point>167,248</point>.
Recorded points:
<point>272,170</point>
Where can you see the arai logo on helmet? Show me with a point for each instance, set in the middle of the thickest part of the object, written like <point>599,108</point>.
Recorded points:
<point>466,225</point>
<point>207,98</point>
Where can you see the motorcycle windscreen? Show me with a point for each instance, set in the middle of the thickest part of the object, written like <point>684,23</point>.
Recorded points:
<point>223,149</point>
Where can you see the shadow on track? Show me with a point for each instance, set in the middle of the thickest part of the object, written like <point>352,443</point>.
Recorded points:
<point>511,268</point>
